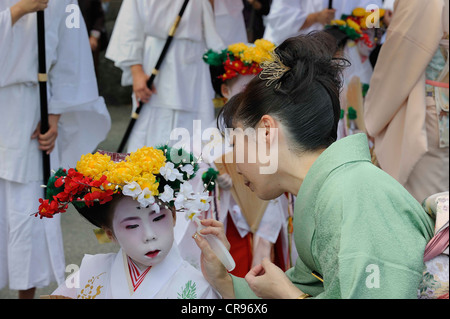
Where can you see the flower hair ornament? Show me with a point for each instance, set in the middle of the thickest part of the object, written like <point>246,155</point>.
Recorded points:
<point>240,58</point>
<point>152,176</point>
<point>273,70</point>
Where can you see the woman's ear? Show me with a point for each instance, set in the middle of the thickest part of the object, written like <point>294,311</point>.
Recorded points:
<point>268,129</point>
<point>109,233</point>
<point>225,90</point>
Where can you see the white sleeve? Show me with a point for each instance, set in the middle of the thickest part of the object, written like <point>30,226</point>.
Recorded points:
<point>126,46</point>
<point>212,38</point>
<point>63,290</point>
<point>85,120</point>
<point>272,221</point>
<point>285,19</point>
<point>5,35</point>
<point>72,77</point>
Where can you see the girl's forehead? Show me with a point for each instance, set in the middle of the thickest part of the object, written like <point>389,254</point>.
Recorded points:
<point>128,206</point>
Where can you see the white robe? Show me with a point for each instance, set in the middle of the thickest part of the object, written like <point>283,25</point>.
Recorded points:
<point>106,276</point>
<point>230,23</point>
<point>183,84</point>
<point>286,17</point>
<point>31,254</point>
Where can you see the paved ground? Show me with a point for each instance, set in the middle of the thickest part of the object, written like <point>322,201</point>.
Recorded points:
<point>78,235</point>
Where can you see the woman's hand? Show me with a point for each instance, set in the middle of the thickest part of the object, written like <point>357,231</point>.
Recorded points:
<point>24,7</point>
<point>325,16</point>
<point>47,140</point>
<point>270,282</point>
<point>140,89</point>
<point>225,182</point>
<point>213,270</point>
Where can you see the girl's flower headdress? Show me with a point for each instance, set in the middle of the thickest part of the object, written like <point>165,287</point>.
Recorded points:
<point>240,58</point>
<point>355,25</point>
<point>152,176</point>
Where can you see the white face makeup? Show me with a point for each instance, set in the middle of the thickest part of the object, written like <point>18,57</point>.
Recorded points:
<point>236,85</point>
<point>145,236</point>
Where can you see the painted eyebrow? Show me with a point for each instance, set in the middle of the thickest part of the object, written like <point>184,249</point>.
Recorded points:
<point>130,218</point>
<point>151,212</point>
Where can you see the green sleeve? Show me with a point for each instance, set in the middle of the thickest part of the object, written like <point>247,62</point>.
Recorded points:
<point>241,288</point>
<point>370,238</point>
<point>299,275</point>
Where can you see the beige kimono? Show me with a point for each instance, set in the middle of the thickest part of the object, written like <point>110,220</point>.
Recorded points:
<point>397,111</point>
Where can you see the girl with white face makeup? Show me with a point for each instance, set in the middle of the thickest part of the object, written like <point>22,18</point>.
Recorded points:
<point>135,202</point>
<point>144,234</point>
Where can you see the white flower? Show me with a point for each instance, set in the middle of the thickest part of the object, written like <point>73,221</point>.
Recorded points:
<point>202,201</point>
<point>188,168</point>
<point>132,189</point>
<point>145,198</point>
<point>186,189</point>
<point>155,207</point>
<point>170,173</point>
<point>180,201</point>
<point>167,196</point>
<point>197,203</point>
<point>191,215</point>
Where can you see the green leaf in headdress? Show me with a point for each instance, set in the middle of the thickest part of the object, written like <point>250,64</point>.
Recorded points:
<point>215,58</point>
<point>351,113</point>
<point>209,178</point>
<point>51,189</point>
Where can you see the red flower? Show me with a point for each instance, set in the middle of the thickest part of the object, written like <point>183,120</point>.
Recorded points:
<point>76,187</point>
<point>47,209</point>
<point>101,196</point>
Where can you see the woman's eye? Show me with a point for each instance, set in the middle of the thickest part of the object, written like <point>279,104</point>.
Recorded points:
<point>159,217</point>
<point>132,226</point>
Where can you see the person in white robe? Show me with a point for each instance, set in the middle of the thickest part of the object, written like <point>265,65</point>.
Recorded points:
<point>182,89</point>
<point>31,252</point>
<point>288,18</point>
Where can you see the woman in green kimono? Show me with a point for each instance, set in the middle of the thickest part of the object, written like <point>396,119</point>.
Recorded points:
<point>358,232</point>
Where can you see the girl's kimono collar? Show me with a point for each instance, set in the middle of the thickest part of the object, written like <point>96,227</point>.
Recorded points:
<point>153,282</point>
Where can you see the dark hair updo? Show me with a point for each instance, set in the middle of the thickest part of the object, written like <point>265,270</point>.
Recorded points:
<point>100,215</point>
<point>305,99</point>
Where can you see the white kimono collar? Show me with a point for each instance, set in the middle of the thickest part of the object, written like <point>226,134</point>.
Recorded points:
<point>154,281</point>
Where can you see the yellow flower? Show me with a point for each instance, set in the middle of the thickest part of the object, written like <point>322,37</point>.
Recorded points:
<point>248,55</point>
<point>237,48</point>
<point>338,22</point>
<point>148,181</point>
<point>354,25</point>
<point>359,12</point>
<point>93,165</point>
<point>122,172</point>
<point>149,159</point>
<point>264,45</point>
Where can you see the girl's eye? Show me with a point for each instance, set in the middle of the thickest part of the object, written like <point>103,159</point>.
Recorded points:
<point>159,217</point>
<point>132,226</point>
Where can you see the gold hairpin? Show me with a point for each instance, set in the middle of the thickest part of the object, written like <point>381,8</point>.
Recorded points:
<point>273,70</point>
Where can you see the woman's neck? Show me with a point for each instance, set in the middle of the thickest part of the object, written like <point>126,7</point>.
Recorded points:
<point>294,168</point>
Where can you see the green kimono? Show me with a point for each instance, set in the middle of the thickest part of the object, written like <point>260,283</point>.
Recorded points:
<point>356,227</point>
